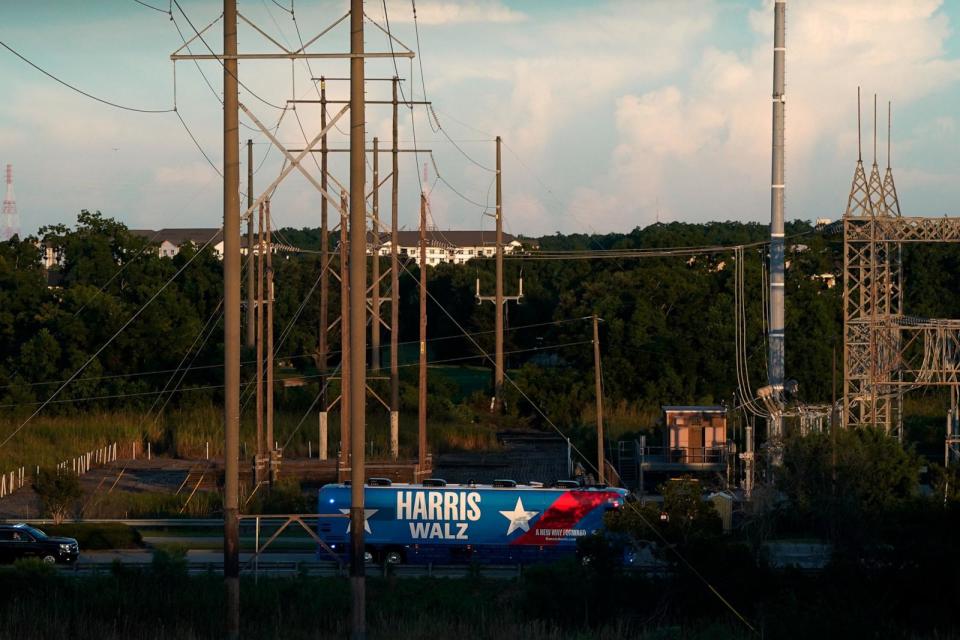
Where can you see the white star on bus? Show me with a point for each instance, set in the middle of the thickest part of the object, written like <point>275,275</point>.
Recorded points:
<point>366,518</point>
<point>519,518</point>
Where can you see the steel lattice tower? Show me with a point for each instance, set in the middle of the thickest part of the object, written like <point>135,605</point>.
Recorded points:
<point>887,353</point>
<point>871,297</point>
<point>10,222</point>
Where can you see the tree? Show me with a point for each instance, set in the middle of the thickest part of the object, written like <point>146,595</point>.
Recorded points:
<point>59,493</point>
<point>873,476</point>
<point>684,516</point>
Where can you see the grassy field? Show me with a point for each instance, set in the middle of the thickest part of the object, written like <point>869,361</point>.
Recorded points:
<point>45,441</point>
<point>163,602</point>
<point>559,602</point>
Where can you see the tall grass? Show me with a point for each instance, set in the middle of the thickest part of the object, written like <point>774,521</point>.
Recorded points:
<point>185,433</point>
<point>154,505</point>
<point>163,603</point>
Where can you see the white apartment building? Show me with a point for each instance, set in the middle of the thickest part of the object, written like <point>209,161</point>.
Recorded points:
<point>455,247</point>
<point>169,241</point>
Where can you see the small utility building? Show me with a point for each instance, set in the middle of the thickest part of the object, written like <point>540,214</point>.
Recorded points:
<point>695,434</point>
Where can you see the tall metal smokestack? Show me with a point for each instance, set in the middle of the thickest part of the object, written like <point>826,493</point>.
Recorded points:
<point>10,222</point>
<point>776,338</point>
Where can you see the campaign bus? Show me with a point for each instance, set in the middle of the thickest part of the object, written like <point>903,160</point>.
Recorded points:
<point>438,522</point>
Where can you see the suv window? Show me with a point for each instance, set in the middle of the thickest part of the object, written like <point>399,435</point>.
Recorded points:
<point>15,535</point>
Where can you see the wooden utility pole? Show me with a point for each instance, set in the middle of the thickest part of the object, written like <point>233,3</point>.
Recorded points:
<point>271,446</point>
<point>251,284</point>
<point>833,422</point>
<point>323,348</point>
<point>323,345</point>
<point>601,463</point>
<point>422,399</point>
<point>358,319</point>
<point>498,324</point>
<point>344,336</point>
<point>375,263</point>
<point>231,319</point>
<point>499,300</point>
<point>394,288</point>
<point>259,461</point>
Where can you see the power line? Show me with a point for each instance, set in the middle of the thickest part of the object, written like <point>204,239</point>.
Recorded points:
<point>652,252</point>
<point>78,90</point>
<point>197,144</point>
<point>140,394</point>
<point>295,355</point>
<point>650,525</point>
<point>150,6</point>
<point>220,61</point>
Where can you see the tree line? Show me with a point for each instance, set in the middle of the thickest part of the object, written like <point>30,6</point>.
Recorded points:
<point>667,335</point>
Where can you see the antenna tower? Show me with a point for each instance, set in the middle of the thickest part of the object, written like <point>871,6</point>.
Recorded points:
<point>10,223</point>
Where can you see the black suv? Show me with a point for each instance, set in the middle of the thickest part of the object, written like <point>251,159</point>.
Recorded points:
<point>23,541</point>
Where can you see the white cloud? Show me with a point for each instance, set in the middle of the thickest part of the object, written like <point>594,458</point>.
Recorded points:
<point>441,12</point>
<point>703,147</point>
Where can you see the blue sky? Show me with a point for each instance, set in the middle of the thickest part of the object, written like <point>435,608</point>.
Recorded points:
<point>613,111</point>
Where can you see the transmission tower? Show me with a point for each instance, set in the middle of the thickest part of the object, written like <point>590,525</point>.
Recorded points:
<point>885,352</point>
<point>10,224</point>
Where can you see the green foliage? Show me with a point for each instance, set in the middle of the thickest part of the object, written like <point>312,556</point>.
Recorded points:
<point>285,496</point>
<point>840,484</point>
<point>32,569</point>
<point>682,518</point>
<point>98,536</point>
<point>667,335</point>
<point>169,564</point>
<point>203,504</point>
<point>59,493</point>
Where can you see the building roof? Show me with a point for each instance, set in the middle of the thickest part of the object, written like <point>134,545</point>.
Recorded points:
<point>449,239</point>
<point>198,236</point>
<point>699,409</point>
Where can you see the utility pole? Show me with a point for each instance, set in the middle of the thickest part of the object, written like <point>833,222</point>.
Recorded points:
<point>323,348</point>
<point>833,421</point>
<point>251,329</point>
<point>271,448</point>
<point>358,313</point>
<point>231,319</point>
<point>498,324</point>
<point>499,300</point>
<point>259,462</point>
<point>776,337</point>
<point>344,336</point>
<point>394,288</point>
<point>748,460</point>
<point>422,398</point>
<point>375,263</point>
<point>601,463</point>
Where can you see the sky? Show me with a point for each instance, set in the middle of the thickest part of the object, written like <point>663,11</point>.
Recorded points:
<point>614,113</point>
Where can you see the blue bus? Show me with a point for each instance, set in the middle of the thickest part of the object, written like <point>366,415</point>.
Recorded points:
<point>502,523</point>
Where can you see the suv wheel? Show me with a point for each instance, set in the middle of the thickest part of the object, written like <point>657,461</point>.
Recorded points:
<point>49,559</point>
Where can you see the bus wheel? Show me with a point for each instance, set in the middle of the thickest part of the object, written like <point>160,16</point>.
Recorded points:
<point>393,557</point>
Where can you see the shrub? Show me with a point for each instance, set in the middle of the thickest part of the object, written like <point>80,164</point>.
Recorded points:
<point>91,536</point>
<point>58,493</point>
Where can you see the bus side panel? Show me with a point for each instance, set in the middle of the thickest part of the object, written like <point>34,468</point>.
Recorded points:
<point>463,524</point>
